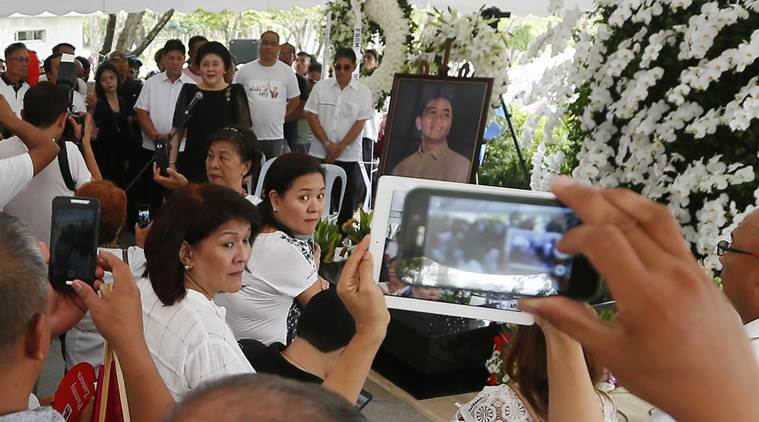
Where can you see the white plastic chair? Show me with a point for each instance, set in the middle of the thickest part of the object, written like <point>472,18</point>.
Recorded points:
<point>333,172</point>
<point>250,178</point>
<point>264,168</point>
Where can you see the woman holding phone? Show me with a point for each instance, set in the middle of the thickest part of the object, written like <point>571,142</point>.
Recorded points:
<point>231,158</point>
<point>550,377</point>
<point>283,267</point>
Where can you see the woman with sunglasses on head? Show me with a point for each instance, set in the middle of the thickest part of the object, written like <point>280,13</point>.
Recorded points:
<point>222,104</point>
<point>283,268</point>
<point>231,158</point>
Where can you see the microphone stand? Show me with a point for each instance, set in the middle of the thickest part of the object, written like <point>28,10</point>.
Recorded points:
<point>172,134</point>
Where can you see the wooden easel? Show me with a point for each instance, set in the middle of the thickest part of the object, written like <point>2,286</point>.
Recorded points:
<point>111,360</point>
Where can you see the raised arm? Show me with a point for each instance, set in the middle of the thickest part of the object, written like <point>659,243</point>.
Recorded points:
<point>42,149</point>
<point>366,303</point>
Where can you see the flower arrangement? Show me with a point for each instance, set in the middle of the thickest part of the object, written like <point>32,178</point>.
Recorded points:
<point>664,100</point>
<point>497,374</point>
<point>389,21</point>
<point>337,243</point>
<point>474,41</point>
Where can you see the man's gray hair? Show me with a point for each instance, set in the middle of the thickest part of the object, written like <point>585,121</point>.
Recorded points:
<point>262,397</point>
<point>23,281</point>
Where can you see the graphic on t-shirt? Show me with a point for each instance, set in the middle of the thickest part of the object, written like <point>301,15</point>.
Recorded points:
<point>303,247</point>
<point>265,90</point>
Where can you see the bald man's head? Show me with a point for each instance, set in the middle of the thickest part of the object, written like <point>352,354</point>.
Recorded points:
<point>265,398</point>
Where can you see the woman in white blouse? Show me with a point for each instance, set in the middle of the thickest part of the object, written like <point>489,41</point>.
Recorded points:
<point>550,379</point>
<point>283,268</point>
<point>198,245</point>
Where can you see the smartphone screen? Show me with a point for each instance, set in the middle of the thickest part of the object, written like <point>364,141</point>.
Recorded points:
<point>489,243</point>
<point>143,216</point>
<point>73,240</point>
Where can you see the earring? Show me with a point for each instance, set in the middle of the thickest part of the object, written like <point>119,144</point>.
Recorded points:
<point>276,210</point>
<point>186,268</point>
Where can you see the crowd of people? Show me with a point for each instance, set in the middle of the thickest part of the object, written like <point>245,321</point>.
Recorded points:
<point>224,284</point>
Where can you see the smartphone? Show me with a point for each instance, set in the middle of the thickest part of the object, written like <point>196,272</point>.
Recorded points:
<point>162,150</point>
<point>501,244</point>
<point>364,397</point>
<point>73,240</point>
<point>143,216</point>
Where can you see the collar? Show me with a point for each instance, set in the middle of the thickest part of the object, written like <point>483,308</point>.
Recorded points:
<point>199,298</point>
<point>8,82</point>
<point>437,154</point>
<point>752,329</point>
<point>351,84</point>
<point>165,77</point>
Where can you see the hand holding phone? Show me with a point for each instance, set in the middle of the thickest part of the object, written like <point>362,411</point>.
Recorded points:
<point>73,240</point>
<point>503,245</point>
<point>143,216</point>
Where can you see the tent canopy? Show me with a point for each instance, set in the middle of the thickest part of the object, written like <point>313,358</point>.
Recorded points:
<point>60,7</point>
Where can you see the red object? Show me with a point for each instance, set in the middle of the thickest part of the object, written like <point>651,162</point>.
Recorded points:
<point>501,340</point>
<point>113,410</point>
<point>74,391</point>
<point>33,71</point>
<point>492,379</point>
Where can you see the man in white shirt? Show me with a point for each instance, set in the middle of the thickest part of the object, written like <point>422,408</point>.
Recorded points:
<point>155,114</point>
<point>45,107</point>
<point>13,86</point>
<point>272,91</point>
<point>337,109</point>
<point>192,71</point>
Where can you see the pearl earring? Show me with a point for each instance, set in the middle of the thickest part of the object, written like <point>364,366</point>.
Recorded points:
<point>187,268</point>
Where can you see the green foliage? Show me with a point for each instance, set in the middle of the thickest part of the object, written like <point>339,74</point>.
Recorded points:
<point>328,236</point>
<point>501,166</point>
<point>356,229</point>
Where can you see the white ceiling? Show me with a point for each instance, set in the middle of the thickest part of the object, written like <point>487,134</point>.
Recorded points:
<point>59,7</point>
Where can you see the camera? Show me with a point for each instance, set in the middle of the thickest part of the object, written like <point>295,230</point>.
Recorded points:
<point>67,80</point>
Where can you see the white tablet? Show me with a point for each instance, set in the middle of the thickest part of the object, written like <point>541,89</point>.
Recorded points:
<point>388,212</point>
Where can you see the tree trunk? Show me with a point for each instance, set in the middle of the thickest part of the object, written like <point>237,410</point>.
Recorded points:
<point>110,28</point>
<point>162,21</point>
<point>127,34</point>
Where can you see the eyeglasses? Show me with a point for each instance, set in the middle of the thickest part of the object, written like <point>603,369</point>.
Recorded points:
<point>724,247</point>
<point>343,67</point>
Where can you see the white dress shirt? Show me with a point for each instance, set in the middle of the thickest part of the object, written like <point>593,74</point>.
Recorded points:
<point>159,98</point>
<point>33,205</point>
<point>338,110</point>
<point>14,98</point>
<point>189,341</point>
<point>15,174</point>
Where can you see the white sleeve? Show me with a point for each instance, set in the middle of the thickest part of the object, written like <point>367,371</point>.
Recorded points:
<point>292,86</point>
<point>212,360</point>
<point>312,104</point>
<point>365,111</point>
<point>15,174</point>
<point>143,101</point>
<point>78,167</point>
<point>292,270</point>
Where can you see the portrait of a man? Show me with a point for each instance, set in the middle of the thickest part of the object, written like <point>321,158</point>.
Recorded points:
<point>435,127</point>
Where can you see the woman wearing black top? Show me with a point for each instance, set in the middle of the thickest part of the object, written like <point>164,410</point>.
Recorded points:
<point>113,119</point>
<point>222,105</point>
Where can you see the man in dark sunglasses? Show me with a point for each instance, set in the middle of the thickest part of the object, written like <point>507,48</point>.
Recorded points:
<point>337,109</point>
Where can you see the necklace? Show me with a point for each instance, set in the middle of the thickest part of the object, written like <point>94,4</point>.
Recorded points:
<point>298,364</point>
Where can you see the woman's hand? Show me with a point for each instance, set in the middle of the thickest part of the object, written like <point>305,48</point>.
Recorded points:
<point>140,234</point>
<point>174,180</point>
<point>317,255</point>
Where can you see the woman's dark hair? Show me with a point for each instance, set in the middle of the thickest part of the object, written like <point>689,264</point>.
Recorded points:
<point>99,74</point>
<point>525,363</point>
<point>244,140</point>
<point>214,47</point>
<point>189,215</point>
<point>280,178</point>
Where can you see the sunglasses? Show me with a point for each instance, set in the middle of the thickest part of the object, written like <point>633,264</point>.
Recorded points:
<point>343,67</point>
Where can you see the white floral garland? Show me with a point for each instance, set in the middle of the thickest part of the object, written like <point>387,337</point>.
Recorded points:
<point>640,157</point>
<point>474,41</point>
<point>389,16</point>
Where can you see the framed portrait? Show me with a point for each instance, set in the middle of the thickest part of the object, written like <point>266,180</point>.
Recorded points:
<point>435,127</point>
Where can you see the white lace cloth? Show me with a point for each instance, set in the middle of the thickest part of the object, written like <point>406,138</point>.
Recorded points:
<point>501,404</point>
